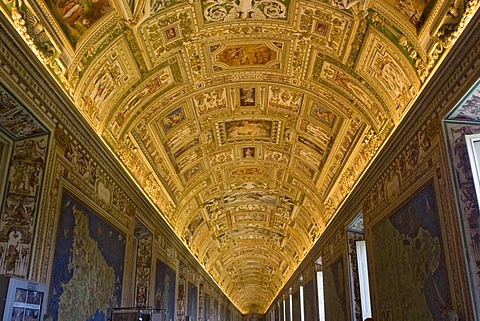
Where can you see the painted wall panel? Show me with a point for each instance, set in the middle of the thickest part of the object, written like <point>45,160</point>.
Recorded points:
<point>87,271</point>
<point>165,290</point>
<point>409,264</point>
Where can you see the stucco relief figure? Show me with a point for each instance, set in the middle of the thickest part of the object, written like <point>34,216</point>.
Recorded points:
<point>223,10</point>
<point>345,4</point>
<point>245,9</point>
<point>210,101</point>
<point>158,5</point>
<point>282,98</point>
<point>391,76</point>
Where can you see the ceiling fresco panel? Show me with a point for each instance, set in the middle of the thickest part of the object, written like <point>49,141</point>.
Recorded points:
<point>329,29</point>
<point>389,70</point>
<point>76,17</point>
<point>247,130</point>
<point>285,99</point>
<point>221,157</point>
<point>247,97</point>
<point>264,55</point>
<point>162,35</point>
<point>154,161</point>
<point>321,134</point>
<point>415,12</point>
<point>368,106</point>
<point>108,76</point>
<point>211,101</point>
<point>324,115</point>
<point>134,102</point>
<point>276,156</point>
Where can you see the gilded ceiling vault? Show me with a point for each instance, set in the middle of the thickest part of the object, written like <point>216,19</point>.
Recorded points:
<point>245,122</point>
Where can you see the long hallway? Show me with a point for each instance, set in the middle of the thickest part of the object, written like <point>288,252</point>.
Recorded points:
<point>267,160</point>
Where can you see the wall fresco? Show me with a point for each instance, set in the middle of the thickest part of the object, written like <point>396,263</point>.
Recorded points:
<point>206,307</point>
<point>408,255</point>
<point>470,108</point>
<point>321,27</point>
<point>192,309</point>
<point>23,188</point>
<point>17,223</point>
<point>335,294</point>
<point>165,290</point>
<point>87,267</point>
<point>143,264</point>
<point>15,120</point>
<point>468,202</point>
<point>182,291</point>
<point>309,297</point>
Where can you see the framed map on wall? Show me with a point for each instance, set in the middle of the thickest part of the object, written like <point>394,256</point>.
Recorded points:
<point>165,289</point>
<point>192,301</point>
<point>408,255</point>
<point>309,299</point>
<point>87,273</point>
<point>335,294</point>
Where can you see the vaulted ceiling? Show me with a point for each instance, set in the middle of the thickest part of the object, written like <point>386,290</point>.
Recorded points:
<point>245,122</point>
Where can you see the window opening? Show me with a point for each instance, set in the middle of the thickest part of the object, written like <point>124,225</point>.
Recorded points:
<point>358,270</point>
<point>320,293</point>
